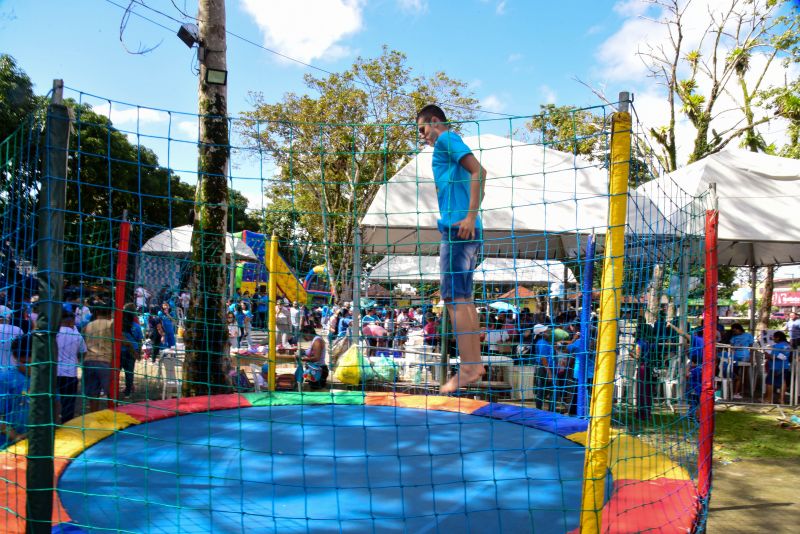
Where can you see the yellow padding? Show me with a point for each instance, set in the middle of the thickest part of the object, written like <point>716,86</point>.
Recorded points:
<point>82,432</point>
<point>632,459</point>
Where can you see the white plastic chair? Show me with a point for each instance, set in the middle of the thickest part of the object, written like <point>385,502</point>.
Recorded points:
<point>673,382</point>
<point>726,373</point>
<point>255,372</point>
<point>168,375</point>
<point>625,383</point>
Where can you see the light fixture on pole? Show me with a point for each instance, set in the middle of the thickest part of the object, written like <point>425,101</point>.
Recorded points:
<point>216,76</point>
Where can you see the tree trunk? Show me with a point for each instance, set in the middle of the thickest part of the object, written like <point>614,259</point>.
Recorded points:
<point>654,293</point>
<point>765,308</point>
<point>205,370</point>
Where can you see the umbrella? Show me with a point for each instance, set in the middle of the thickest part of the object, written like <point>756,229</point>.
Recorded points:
<point>503,307</point>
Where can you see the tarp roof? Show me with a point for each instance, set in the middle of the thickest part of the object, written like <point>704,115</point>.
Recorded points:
<point>758,196</point>
<point>414,269</point>
<point>539,203</point>
<point>178,241</point>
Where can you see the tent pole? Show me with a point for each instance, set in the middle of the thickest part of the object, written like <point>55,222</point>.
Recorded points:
<point>753,283</point>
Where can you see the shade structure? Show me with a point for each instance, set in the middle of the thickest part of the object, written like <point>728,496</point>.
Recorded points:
<point>415,269</point>
<point>178,241</point>
<point>758,223</point>
<point>539,203</point>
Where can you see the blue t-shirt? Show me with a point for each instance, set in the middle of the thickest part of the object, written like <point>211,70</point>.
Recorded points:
<point>344,324</point>
<point>169,330</point>
<point>740,353</point>
<point>696,349</point>
<point>781,348</point>
<point>545,349</point>
<point>576,348</point>
<point>263,301</point>
<point>452,180</point>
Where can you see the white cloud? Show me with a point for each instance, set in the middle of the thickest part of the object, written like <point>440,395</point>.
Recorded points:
<point>131,116</point>
<point>307,29</point>
<point>413,6</point>
<point>516,56</point>
<point>592,30</point>
<point>501,8</point>
<point>493,103</point>
<point>188,128</point>
<point>548,94</point>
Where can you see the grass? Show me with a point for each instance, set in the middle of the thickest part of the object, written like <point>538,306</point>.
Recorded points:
<point>742,435</point>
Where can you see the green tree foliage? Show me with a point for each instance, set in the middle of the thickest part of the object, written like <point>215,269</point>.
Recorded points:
<point>17,99</point>
<point>567,129</point>
<point>335,147</point>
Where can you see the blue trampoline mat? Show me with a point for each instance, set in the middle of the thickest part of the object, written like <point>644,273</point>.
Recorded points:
<point>330,468</point>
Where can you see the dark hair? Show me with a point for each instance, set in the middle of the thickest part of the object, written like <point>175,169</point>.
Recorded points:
<point>431,111</point>
<point>780,335</point>
<point>737,326</point>
<point>128,313</point>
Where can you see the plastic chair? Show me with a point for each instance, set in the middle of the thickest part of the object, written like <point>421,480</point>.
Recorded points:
<point>726,373</point>
<point>625,383</point>
<point>673,382</point>
<point>167,366</point>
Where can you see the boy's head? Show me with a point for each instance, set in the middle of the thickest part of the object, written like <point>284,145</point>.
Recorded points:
<point>778,336</point>
<point>431,122</point>
<point>737,329</point>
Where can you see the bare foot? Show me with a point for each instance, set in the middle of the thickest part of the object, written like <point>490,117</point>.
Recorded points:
<point>461,379</point>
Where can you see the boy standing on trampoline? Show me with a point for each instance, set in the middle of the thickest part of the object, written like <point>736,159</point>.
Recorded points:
<point>460,182</point>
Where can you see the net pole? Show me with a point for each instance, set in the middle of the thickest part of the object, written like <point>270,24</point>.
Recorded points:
<point>41,433</point>
<point>599,433</point>
<point>272,266</point>
<point>586,326</point>
<point>706,409</point>
<point>119,303</point>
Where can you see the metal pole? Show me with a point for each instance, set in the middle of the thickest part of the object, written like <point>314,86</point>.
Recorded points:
<point>41,433</point>
<point>355,325</point>
<point>753,283</point>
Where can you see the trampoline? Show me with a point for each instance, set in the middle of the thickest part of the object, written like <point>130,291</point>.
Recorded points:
<point>343,462</point>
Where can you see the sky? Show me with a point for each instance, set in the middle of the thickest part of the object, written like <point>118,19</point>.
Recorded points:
<point>515,55</point>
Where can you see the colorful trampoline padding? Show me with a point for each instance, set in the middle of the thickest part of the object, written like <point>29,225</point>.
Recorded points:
<point>650,491</point>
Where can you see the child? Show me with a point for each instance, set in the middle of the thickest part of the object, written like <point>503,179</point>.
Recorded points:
<point>233,331</point>
<point>316,369</point>
<point>779,365</point>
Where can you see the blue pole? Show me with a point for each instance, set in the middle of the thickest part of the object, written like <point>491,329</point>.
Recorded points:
<point>586,327</point>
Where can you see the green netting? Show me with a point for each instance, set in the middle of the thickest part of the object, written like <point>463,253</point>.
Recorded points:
<point>170,297</point>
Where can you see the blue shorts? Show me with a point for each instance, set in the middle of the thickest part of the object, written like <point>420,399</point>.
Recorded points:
<point>457,261</point>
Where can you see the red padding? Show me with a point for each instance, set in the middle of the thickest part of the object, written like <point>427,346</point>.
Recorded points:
<point>663,505</point>
<point>13,497</point>
<point>156,410</point>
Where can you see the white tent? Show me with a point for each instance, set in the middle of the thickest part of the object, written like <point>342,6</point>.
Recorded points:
<point>178,241</point>
<point>413,269</point>
<point>539,203</point>
<point>758,202</point>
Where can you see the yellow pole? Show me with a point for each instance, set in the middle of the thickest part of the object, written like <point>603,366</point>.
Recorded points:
<point>599,435</point>
<point>272,266</point>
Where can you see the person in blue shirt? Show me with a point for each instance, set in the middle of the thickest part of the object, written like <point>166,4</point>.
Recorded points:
<point>577,349</point>
<point>460,181</point>
<point>344,322</point>
<point>132,342</point>
<point>168,325</point>
<point>779,365</point>
<point>544,384</point>
<point>696,345</point>
<point>14,385</point>
<point>262,309</point>
<point>740,342</point>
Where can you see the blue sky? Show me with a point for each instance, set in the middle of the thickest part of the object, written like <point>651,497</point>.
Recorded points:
<point>515,53</point>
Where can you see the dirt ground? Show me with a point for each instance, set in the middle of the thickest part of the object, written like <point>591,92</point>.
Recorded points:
<point>758,495</point>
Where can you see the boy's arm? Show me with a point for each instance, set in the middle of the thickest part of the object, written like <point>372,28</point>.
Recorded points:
<point>477,187</point>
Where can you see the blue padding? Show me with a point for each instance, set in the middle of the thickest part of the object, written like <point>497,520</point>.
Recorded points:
<point>335,468</point>
<point>543,420</point>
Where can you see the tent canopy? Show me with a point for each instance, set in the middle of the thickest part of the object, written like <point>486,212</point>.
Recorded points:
<point>539,203</point>
<point>758,198</point>
<point>178,241</point>
<point>415,269</point>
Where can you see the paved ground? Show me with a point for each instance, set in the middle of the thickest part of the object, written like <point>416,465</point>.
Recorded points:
<point>755,496</point>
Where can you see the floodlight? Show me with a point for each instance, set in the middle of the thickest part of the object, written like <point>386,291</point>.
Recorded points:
<point>189,34</point>
<point>216,76</point>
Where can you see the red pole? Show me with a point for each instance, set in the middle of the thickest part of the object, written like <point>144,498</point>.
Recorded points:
<point>119,302</point>
<point>706,409</point>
